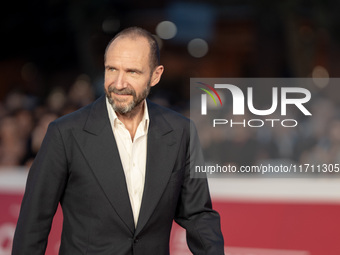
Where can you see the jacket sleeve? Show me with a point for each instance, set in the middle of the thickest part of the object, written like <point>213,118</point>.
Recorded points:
<point>194,210</point>
<point>44,188</point>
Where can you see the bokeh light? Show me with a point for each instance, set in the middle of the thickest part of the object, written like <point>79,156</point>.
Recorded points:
<point>320,76</point>
<point>198,48</point>
<point>110,25</point>
<point>166,30</point>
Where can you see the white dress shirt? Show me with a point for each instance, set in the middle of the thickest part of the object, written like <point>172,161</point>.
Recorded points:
<point>132,155</point>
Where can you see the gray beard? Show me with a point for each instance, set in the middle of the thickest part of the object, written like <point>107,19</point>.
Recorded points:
<point>136,101</point>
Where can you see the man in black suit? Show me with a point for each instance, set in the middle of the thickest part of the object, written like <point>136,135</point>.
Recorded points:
<point>120,168</point>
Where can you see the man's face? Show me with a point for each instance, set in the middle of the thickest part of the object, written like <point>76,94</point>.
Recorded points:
<point>128,75</point>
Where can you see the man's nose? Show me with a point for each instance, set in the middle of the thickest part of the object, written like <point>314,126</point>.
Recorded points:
<point>121,81</point>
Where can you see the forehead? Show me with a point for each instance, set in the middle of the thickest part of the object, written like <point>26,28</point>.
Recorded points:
<point>128,49</point>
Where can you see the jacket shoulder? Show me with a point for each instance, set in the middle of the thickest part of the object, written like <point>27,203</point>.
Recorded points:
<point>79,117</point>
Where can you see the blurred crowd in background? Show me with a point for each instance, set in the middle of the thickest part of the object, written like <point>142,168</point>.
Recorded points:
<point>51,63</point>
<point>24,119</point>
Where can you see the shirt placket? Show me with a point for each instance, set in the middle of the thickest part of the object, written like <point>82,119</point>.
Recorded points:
<point>135,173</point>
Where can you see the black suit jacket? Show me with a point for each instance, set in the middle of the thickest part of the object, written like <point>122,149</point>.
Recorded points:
<point>79,166</point>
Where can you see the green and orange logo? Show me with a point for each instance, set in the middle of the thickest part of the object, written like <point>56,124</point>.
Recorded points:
<point>204,97</point>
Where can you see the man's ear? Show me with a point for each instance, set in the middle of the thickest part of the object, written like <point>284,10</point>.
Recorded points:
<point>156,75</point>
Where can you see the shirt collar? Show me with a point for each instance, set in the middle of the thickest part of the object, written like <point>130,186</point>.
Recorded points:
<point>114,118</point>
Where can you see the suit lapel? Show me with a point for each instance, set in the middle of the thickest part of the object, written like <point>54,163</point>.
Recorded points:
<point>100,150</point>
<point>99,147</point>
<point>160,161</point>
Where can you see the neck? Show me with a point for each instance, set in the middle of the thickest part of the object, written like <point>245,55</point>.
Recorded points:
<point>132,119</point>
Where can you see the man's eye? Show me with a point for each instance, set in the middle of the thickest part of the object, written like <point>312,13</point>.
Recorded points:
<point>111,69</point>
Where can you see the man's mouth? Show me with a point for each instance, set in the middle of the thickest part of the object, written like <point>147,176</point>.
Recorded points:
<point>121,94</point>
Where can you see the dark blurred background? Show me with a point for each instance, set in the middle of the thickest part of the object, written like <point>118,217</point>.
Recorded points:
<point>51,54</point>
